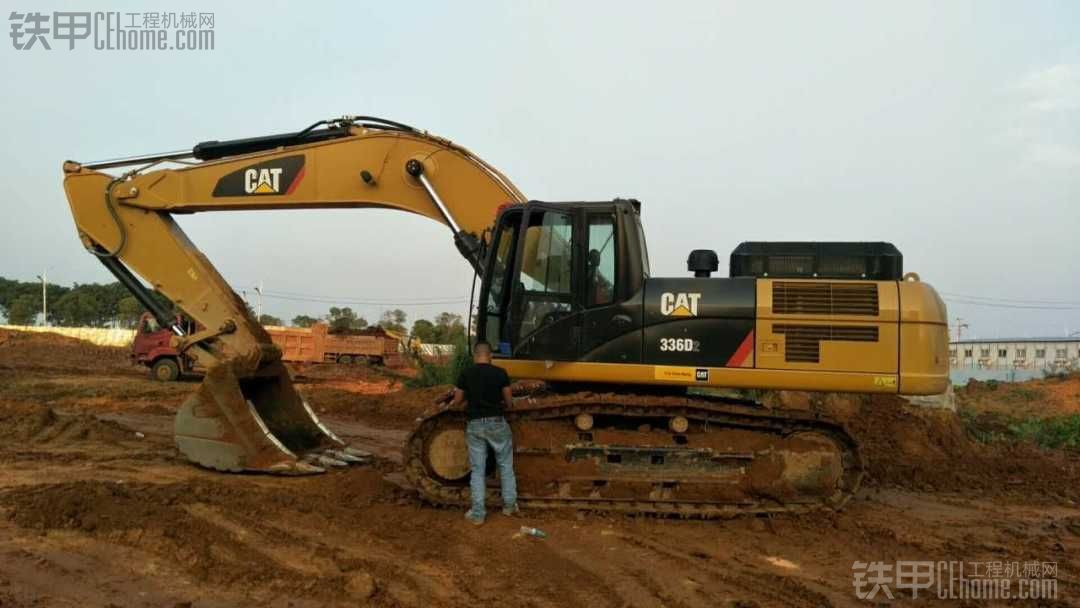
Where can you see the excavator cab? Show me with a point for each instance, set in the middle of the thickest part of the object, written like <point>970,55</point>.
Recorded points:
<point>568,284</point>
<point>564,278</point>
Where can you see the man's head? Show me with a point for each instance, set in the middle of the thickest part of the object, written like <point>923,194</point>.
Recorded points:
<point>481,352</point>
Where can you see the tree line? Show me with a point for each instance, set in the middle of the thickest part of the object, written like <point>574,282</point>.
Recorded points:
<point>110,304</point>
<point>81,305</point>
<point>445,328</point>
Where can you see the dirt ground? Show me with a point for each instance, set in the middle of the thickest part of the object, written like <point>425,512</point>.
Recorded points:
<point>1040,398</point>
<point>97,509</point>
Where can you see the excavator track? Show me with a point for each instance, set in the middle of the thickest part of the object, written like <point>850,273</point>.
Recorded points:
<point>694,456</point>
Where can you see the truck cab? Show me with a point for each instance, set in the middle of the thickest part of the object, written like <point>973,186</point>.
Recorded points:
<point>152,347</point>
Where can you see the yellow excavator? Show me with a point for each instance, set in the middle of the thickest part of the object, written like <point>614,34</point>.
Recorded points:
<point>626,420</point>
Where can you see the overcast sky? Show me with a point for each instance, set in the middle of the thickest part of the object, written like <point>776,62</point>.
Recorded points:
<point>948,128</point>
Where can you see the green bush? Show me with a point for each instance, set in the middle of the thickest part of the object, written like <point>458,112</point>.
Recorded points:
<point>1059,374</point>
<point>1060,432</point>
<point>984,427</point>
<point>438,374</point>
<point>1048,433</point>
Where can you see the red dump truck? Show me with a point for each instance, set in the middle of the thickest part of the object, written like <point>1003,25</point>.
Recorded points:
<point>151,347</point>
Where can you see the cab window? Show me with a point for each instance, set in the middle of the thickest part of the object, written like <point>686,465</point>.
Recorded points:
<point>600,265</point>
<point>545,278</point>
<point>504,250</point>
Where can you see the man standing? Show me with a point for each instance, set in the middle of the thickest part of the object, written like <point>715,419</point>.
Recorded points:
<point>486,389</point>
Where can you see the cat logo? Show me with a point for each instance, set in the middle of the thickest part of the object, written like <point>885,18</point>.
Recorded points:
<point>701,375</point>
<point>263,181</point>
<point>280,176</point>
<point>679,304</point>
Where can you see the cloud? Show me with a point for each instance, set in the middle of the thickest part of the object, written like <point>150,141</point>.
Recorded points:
<point>1041,118</point>
<point>1059,156</point>
<point>1052,89</point>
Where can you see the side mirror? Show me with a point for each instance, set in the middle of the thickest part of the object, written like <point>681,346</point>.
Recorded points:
<point>594,258</point>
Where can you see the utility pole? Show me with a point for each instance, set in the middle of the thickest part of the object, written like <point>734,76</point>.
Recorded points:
<point>960,327</point>
<point>44,278</point>
<point>258,302</point>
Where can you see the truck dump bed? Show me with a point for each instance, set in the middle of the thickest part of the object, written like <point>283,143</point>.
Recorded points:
<point>317,345</point>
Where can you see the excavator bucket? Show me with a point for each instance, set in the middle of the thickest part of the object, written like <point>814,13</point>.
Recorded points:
<point>257,423</point>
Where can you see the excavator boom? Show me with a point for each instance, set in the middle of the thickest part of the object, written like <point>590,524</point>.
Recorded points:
<point>246,415</point>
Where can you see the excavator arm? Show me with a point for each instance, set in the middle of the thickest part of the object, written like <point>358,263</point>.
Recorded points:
<point>247,415</point>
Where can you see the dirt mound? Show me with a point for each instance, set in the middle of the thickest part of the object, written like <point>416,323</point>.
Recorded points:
<point>1055,396</point>
<point>196,523</point>
<point>103,506</point>
<point>45,351</point>
<point>41,424</point>
<point>923,449</point>
<point>153,517</point>
<point>316,372</point>
<point>361,387</point>
<point>397,409</point>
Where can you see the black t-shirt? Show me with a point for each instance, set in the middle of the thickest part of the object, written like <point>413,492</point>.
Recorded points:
<point>483,384</point>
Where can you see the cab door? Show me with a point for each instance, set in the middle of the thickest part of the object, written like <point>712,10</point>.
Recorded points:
<point>544,320</point>
<point>494,311</point>
<point>612,312</point>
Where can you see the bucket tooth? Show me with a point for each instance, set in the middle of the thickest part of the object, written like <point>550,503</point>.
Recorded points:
<point>322,460</point>
<point>299,467</point>
<point>344,456</point>
<point>362,454</point>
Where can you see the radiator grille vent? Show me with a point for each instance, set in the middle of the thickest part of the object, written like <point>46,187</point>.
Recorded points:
<point>825,298</point>
<point>802,343</point>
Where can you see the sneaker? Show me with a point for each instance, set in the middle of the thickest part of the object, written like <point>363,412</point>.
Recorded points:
<point>474,519</point>
<point>512,510</point>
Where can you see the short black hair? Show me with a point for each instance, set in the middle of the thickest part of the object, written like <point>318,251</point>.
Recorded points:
<point>481,345</point>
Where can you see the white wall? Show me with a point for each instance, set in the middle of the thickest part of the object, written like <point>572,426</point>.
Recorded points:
<point>1021,354</point>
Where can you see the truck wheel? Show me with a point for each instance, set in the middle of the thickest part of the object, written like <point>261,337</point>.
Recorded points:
<point>165,370</point>
<point>345,359</point>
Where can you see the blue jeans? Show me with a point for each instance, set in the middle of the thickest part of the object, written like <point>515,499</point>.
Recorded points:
<point>479,434</point>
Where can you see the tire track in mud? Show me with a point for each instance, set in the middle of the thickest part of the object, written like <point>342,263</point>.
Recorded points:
<point>755,585</point>
<point>214,532</point>
<point>485,565</point>
<point>351,549</point>
<point>628,580</point>
<point>313,537</point>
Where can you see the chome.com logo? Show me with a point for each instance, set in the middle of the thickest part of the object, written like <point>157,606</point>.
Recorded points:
<point>955,580</point>
<point>113,31</point>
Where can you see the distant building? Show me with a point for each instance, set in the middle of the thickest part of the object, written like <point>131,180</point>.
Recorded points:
<point>1016,354</point>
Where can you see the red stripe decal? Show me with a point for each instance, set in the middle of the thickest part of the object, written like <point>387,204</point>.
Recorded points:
<point>743,351</point>
<point>295,181</point>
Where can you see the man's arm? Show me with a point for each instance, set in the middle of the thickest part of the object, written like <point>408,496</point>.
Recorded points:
<point>459,391</point>
<point>508,397</point>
